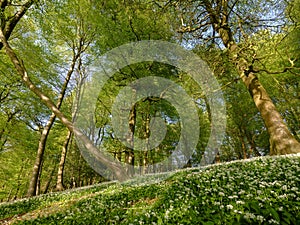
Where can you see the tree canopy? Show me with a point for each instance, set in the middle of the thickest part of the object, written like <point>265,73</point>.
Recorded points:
<point>48,51</point>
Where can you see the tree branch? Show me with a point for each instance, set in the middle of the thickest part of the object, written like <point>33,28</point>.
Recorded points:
<point>9,25</point>
<point>274,72</point>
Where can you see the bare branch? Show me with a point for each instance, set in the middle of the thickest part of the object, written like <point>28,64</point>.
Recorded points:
<point>275,72</point>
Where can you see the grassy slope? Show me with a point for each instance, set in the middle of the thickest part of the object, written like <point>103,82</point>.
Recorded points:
<point>260,191</point>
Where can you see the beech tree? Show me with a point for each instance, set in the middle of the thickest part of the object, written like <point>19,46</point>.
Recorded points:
<point>252,44</point>
<point>230,25</point>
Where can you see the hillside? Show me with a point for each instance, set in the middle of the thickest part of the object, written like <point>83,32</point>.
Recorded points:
<point>263,190</point>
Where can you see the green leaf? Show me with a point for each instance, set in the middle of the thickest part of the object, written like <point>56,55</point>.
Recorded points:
<point>275,214</point>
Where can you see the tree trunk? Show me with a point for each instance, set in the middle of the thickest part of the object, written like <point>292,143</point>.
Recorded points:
<point>129,154</point>
<point>253,149</point>
<point>59,183</point>
<point>244,150</point>
<point>8,24</point>
<point>114,166</point>
<point>45,133</point>
<point>47,185</point>
<point>39,157</point>
<point>281,140</point>
<point>144,154</point>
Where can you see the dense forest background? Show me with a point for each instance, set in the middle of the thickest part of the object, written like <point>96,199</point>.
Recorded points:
<point>47,48</point>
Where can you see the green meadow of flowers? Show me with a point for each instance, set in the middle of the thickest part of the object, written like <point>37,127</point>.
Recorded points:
<point>264,190</point>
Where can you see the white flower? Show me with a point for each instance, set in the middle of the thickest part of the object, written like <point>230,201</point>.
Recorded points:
<point>294,189</point>
<point>241,192</point>
<point>229,207</point>
<point>284,187</point>
<point>167,214</point>
<point>273,221</point>
<point>260,218</point>
<point>249,216</point>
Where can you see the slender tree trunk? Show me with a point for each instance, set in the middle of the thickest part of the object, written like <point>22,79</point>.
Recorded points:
<point>217,159</point>
<point>243,147</point>
<point>32,189</point>
<point>144,155</point>
<point>129,154</point>
<point>59,183</point>
<point>253,148</point>
<point>114,166</point>
<point>281,139</point>
<point>47,185</point>
<point>45,133</point>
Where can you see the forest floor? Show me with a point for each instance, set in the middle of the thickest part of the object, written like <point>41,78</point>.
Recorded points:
<point>263,190</point>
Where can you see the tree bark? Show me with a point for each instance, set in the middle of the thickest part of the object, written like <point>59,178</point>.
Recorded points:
<point>253,149</point>
<point>59,183</point>
<point>281,140</point>
<point>115,167</point>
<point>129,153</point>
<point>45,133</point>
<point>8,25</point>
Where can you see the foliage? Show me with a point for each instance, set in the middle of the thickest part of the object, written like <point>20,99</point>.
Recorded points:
<point>266,31</point>
<point>264,190</point>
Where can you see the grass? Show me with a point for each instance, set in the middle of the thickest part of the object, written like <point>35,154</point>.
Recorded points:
<point>263,190</point>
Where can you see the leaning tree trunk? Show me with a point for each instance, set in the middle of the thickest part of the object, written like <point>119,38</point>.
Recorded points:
<point>114,166</point>
<point>281,140</point>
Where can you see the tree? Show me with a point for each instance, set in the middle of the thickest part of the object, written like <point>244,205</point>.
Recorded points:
<point>80,78</point>
<point>77,46</point>
<point>20,67</point>
<point>32,81</point>
<point>230,24</point>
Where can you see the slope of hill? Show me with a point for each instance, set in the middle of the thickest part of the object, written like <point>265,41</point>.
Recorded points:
<point>263,190</point>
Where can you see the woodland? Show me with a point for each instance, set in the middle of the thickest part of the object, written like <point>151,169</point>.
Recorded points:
<point>47,48</point>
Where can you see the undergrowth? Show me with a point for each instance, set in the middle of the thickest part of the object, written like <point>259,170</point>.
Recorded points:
<point>263,190</point>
